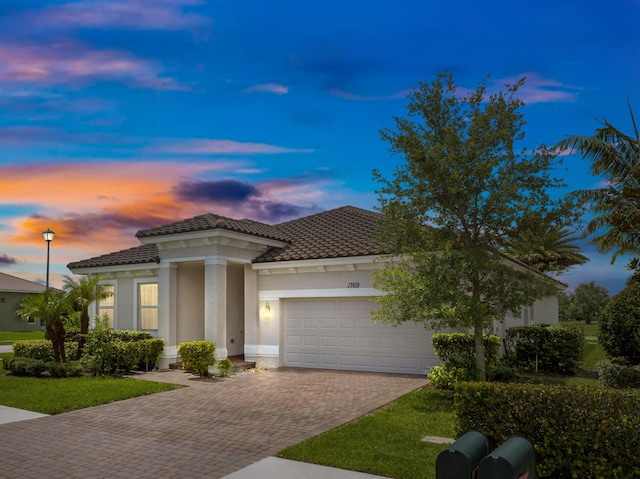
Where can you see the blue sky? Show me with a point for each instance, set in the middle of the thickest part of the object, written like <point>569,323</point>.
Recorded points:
<point>117,115</point>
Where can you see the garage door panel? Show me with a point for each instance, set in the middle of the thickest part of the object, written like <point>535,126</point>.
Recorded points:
<point>339,334</point>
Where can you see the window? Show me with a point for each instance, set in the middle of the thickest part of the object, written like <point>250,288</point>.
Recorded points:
<point>107,306</point>
<point>31,320</point>
<point>148,306</point>
<point>1,300</point>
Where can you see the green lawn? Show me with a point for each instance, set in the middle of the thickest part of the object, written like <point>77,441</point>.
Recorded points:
<point>10,337</point>
<point>593,352</point>
<point>57,395</point>
<point>388,442</point>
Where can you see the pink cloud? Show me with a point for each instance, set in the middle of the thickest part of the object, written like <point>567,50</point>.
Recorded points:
<point>224,147</point>
<point>130,14</point>
<point>269,88</point>
<point>68,62</point>
<point>538,89</point>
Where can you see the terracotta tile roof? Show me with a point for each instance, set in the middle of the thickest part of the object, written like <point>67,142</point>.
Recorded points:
<point>338,233</point>
<point>14,284</point>
<point>147,253</point>
<point>210,221</point>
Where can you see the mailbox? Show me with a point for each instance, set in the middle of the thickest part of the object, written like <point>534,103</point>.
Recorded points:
<point>514,459</point>
<point>460,460</point>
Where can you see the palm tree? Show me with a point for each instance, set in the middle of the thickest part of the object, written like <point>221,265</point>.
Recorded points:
<point>49,306</point>
<point>548,249</point>
<point>615,207</point>
<point>82,293</point>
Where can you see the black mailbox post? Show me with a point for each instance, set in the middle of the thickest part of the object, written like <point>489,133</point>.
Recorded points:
<point>460,460</point>
<point>514,459</point>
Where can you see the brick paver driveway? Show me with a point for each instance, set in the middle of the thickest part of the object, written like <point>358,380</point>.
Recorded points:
<point>204,430</point>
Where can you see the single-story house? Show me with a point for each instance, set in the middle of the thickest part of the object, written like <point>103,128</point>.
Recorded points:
<point>12,291</point>
<point>292,294</point>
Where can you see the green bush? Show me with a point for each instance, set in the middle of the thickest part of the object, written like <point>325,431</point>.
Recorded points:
<point>619,325</point>
<point>457,352</point>
<point>41,349</point>
<point>556,348</point>
<point>224,366</point>
<point>577,431</point>
<point>23,366</point>
<point>618,376</point>
<point>63,370</point>
<point>197,356</point>
<point>148,352</point>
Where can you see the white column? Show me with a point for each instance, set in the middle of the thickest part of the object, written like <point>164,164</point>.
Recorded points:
<point>168,312</point>
<point>215,304</point>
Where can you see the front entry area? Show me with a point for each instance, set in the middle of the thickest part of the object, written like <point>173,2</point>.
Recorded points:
<point>338,333</point>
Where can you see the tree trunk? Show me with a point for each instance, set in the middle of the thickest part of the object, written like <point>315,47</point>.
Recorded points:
<point>480,359</point>
<point>55,329</point>
<point>84,330</point>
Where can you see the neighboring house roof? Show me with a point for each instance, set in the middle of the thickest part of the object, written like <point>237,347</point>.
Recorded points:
<point>339,233</point>
<point>9,283</point>
<point>210,221</point>
<point>147,253</point>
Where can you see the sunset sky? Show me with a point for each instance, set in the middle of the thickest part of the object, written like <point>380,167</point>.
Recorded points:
<point>117,115</point>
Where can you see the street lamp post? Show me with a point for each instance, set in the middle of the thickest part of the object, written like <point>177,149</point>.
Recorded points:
<point>48,236</point>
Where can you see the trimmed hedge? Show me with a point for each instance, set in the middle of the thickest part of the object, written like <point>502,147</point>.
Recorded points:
<point>197,356</point>
<point>41,349</point>
<point>111,350</point>
<point>556,348</point>
<point>577,431</point>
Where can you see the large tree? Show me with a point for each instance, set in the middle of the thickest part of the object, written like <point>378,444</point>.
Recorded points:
<point>465,190</point>
<point>82,293</point>
<point>615,208</point>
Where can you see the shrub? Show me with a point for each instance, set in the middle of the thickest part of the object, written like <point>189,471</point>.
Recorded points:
<point>619,326</point>
<point>556,348</point>
<point>63,370</point>
<point>457,352</point>
<point>224,366</point>
<point>23,366</point>
<point>149,350</point>
<point>620,376</point>
<point>577,431</point>
<point>101,351</point>
<point>197,356</point>
<point>41,349</point>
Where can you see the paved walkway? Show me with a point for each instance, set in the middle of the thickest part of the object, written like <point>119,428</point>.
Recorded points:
<point>206,430</point>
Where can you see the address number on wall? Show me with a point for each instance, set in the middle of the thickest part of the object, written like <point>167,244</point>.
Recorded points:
<point>353,285</point>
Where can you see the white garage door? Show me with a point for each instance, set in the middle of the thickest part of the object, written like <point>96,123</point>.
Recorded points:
<point>339,334</point>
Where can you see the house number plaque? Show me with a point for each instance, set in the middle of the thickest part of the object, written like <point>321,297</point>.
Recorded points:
<point>353,285</point>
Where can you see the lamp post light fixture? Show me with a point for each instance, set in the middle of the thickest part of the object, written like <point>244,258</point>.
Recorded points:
<point>48,236</point>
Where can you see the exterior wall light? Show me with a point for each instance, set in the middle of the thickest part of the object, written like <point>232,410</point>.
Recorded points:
<point>266,312</point>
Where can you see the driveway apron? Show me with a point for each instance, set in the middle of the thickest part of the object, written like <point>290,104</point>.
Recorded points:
<point>205,430</point>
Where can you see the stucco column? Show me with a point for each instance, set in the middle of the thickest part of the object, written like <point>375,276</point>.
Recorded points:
<point>168,312</point>
<point>215,304</point>
<point>251,318</point>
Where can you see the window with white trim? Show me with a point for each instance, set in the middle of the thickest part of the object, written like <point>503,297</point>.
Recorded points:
<point>148,306</point>
<point>107,306</point>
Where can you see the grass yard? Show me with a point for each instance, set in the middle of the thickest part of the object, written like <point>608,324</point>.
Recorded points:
<point>10,337</point>
<point>593,352</point>
<point>388,442</point>
<point>57,395</point>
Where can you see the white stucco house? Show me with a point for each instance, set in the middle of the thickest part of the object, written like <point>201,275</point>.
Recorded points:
<point>292,294</point>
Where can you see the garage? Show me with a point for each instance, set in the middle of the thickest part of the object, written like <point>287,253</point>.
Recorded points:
<point>335,333</point>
